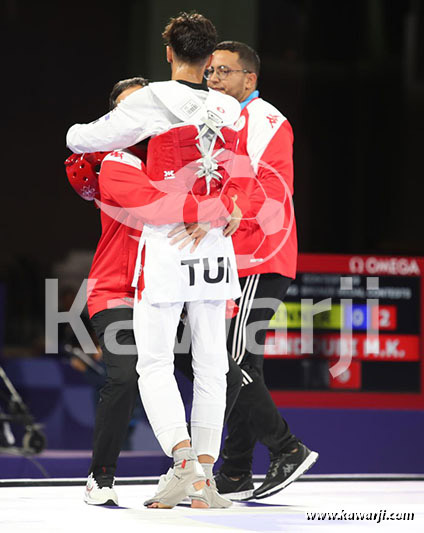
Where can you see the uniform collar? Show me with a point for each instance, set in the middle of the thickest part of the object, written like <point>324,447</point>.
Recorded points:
<point>251,96</point>
<point>201,86</point>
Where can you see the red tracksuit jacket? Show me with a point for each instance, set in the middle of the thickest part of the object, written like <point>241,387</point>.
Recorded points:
<point>270,244</point>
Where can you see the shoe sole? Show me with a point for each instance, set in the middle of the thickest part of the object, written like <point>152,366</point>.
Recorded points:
<point>239,496</point>
<point>301,469</point>
<point>110,502</point>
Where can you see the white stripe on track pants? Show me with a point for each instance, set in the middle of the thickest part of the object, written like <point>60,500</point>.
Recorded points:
<point>155,327</point>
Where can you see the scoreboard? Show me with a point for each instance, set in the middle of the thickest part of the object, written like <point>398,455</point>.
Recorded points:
<point>374,312</point>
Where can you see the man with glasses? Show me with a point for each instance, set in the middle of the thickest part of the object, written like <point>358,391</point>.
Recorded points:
<point>266,258</point>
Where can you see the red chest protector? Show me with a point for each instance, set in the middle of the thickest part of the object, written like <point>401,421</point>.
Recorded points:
<point>192,158</point>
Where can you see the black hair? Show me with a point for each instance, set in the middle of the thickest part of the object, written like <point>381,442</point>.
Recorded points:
<point>122,85</point>
<point>191,36</point>
<point>249,58</point>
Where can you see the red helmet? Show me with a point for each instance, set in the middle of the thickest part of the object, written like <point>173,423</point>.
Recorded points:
<point>83,173</point>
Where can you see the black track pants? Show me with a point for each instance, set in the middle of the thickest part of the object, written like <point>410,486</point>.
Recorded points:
<point>254,416</point>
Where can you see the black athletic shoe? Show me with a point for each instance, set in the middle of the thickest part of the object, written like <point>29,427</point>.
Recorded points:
<point>242,489</point>
<point>284,469</point>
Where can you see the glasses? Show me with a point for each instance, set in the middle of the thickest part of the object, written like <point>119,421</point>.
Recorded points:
<point>222,72</point>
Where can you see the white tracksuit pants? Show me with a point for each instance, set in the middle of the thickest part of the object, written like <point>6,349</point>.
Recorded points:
<point>155,327</point>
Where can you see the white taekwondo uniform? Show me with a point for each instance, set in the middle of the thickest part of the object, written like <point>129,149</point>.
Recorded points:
<point>204,280</point>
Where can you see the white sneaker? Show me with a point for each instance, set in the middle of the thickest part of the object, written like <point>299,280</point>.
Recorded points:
<point>100,491</point>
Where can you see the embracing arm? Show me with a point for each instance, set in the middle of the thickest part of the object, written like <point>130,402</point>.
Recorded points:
<point>130,122</point>
<point>131,188</point>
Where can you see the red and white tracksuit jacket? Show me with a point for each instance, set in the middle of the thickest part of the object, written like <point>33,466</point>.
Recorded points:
<point>270,244</point>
